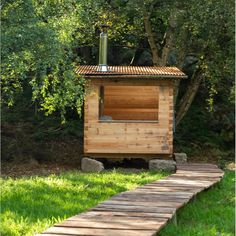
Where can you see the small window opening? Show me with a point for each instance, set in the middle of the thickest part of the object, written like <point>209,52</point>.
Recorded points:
<point>129,103</point>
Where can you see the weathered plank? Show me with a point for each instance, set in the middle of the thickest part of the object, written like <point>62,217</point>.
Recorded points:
<point>196,174</point>
<point>143,203</point>
<point>147,197</point>
<point>112,223</point>
<point>170,189</point>
<point>99,232</point>
<point>134,209</point>
<point>178,202</point>
<point>179,185</point>
<point>200,178</point>
<point>115,218</point>
<point>155,195</point>
<point>201,165</point>
<point>169,193</point>
<point>126,214</point>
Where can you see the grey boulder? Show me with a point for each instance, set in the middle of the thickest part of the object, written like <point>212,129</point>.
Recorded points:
<point>180,158</point>
<point>91,165</point>
<point>162,165</point>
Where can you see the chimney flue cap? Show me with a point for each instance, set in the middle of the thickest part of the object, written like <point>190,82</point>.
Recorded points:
<point>104,28</point>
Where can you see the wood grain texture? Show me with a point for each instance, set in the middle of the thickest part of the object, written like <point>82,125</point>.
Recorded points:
<point>131,102</point>
<point>112,223</point>
<point>143,211</point>
<point>98,231</point>
<point>134,100</point>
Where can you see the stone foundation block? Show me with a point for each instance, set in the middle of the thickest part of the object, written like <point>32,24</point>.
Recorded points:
<point>162,165</point>
<point>91,165</point>
<point>180,158</point>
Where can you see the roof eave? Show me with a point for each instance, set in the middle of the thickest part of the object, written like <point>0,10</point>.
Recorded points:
<point>107,76</point>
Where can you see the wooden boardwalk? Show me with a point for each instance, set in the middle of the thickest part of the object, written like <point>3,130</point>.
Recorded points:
<point>144,210</point>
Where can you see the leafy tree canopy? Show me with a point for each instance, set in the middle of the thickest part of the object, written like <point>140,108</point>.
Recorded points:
<point>41,41</point>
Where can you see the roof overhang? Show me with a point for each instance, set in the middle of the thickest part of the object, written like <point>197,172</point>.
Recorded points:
<point>131,72</point>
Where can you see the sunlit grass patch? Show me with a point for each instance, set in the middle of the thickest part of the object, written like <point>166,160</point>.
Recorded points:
<point>31,204</point>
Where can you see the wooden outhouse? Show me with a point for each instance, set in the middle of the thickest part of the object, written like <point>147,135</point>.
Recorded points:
<point>129,111</point>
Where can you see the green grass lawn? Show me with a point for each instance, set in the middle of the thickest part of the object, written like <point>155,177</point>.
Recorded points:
<point>212,214</point>
<point>31,204</point>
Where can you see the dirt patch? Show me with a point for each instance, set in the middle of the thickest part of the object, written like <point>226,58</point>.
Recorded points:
<point>202,159</point>
<point>44,158</point>
<point>24,153</point>
<point>33,168</point>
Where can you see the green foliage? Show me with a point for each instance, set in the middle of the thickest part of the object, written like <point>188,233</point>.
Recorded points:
<point>44,41</point>
<point>205,33</point>
<point>37,49</point>
<point>212,213</point>
<point>30,205</point>
<point>204,134</point>
<point>40,40</point>
<point>207,30</point>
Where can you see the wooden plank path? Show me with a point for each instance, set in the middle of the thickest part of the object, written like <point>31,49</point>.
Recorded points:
<point>143,211</point>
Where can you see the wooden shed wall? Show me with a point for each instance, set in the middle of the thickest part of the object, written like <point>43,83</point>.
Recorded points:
<point>131,103</point>
<point>130,137</point>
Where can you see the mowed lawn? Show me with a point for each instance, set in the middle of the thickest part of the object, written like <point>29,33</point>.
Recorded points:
<point>31,204</point>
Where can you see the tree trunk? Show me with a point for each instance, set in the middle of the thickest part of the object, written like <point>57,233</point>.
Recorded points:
<point>168,40</point>
<point>176,90</point>
<point>189,95</point>
<point>138,53</point>
<point>151,39</point>
<point>192,89</point>
<point>180,62</point>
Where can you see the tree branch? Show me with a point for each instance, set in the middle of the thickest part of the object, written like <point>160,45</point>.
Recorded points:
<point>189,95</point>
<point>151,38</point>
<point>180,60</point>
<point>168,39</point>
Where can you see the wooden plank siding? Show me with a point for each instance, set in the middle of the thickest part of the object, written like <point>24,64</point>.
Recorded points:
<point>131,102</point>
<point>129,137</point>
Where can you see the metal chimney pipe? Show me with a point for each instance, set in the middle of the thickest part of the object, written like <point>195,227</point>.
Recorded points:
<point>102,64</point>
